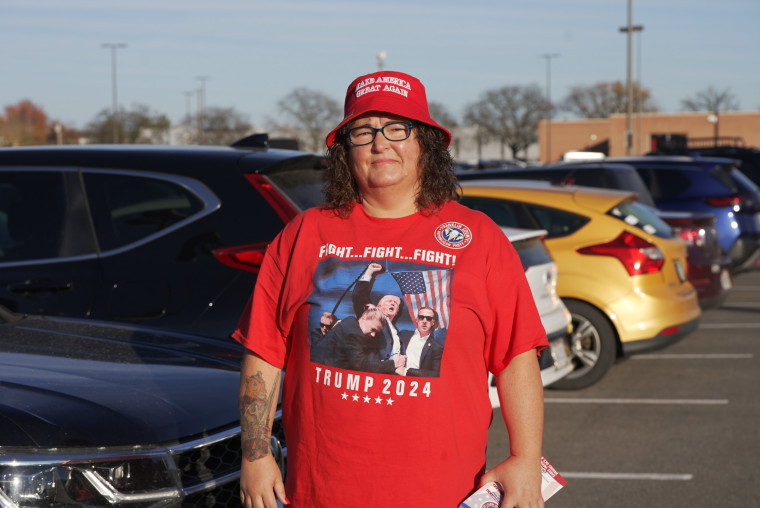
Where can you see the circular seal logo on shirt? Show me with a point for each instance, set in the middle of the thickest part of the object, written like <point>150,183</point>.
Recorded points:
<point>490,505</point>
<point>453,235</point>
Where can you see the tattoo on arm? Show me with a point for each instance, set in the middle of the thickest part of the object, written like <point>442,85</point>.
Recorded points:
<point>255,406</point>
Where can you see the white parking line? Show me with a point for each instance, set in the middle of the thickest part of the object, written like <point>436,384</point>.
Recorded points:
<point>707,402</point>
<point>729,325</point>
<point>694,356</point>
<point>627,476</point>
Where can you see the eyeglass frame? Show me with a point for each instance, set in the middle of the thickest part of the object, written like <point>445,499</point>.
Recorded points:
<point>410,125</point>
<point>420,317</point>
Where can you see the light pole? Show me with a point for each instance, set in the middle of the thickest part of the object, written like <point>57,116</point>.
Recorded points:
<point>188,118</point>
<point>115,117</point>
<point>201,109</point>
<point>548,57</point>
<point>629,84</point>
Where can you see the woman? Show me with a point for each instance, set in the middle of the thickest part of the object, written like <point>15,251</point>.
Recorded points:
<point>373,439</point>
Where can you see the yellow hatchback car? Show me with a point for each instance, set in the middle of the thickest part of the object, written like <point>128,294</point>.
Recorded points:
<point>621,270</point>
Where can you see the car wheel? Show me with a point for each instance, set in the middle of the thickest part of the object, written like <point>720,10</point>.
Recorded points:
<point>592,344</point>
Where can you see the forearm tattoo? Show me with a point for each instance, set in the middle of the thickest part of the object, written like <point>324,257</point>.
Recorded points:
<point>255,406</point>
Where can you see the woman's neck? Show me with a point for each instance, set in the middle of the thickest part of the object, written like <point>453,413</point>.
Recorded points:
<point>389,205</point>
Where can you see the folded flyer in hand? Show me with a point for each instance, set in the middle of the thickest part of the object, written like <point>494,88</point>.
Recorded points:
<point>490,494</point>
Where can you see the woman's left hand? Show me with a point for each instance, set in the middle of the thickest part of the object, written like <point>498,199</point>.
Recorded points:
<point>521,480</point>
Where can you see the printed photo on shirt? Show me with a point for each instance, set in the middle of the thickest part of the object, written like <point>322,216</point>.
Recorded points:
<point>382,317</point>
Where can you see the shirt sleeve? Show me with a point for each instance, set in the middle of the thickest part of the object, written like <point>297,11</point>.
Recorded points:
<point>267,321</point>
<point>516,325</point>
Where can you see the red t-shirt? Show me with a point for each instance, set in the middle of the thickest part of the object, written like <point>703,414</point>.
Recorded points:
<point>371,439</point>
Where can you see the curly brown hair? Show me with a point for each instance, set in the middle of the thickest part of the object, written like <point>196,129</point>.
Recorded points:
<point>438,184</point>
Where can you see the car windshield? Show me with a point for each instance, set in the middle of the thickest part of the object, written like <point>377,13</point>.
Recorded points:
<point>641,216</point>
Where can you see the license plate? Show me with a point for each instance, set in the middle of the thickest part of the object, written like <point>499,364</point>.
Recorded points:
<point>680,270</point>
<point>560,353</point>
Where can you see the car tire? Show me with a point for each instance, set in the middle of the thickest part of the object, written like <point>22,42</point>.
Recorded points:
<point>593,345</point>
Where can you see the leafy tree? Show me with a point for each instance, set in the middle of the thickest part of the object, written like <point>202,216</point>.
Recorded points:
<point>23,124</point>
<point>138,125</point>
<point>313,113</point>
<point>711,100</point>
<point>510,114</point>
<point>605,98</point>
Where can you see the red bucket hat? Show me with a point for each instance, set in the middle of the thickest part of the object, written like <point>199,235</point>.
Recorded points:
<point>386,92</point>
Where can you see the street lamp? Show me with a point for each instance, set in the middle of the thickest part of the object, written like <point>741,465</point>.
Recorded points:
<point>548,58</point>
<point>115,117</point>
<point>381,56</point>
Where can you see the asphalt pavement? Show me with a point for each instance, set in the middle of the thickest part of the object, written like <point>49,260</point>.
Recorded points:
<point>677,427</point>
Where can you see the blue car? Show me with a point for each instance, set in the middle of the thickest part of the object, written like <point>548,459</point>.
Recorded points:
<point>708,184</point>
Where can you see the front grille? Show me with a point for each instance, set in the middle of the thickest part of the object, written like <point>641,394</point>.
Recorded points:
<point>209,467</point>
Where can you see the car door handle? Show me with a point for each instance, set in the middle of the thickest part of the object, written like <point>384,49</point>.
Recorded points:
<point>29,287</point>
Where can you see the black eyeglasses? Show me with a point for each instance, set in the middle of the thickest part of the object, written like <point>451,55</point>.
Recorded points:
<point>394,131</point>
<point>325,325</point>
<point>426,318</point>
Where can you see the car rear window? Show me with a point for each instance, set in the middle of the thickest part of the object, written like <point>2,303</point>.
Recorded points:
<point>532,252</point>
<point>642,217</point>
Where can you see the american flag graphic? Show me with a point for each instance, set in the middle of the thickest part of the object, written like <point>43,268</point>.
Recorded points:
<point>426,289</point>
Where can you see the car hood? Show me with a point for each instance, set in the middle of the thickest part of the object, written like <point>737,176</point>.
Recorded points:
<point>72,383</point>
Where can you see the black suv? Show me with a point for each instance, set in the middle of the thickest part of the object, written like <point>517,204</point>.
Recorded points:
<point>113,414</point>
<point>161,235</point>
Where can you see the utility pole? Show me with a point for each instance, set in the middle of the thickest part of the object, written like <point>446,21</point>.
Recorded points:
<point>548,58</point>
<point>115,106</point>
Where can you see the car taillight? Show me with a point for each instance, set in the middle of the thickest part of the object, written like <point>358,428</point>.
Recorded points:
<point>637,255</point>
<point>693,236</point>
<point>281,204</point>
<point>243,257</point>
<point>723,201</point>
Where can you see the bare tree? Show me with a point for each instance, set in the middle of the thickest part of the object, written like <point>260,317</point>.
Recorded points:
<point>711,100</point>
<point>313,112</point>
<point>606,98</point>
<point>223,126</point>
<point>138,125</point>
<point>441,115</point>
<point>479,116</point>
<point>510,114</point>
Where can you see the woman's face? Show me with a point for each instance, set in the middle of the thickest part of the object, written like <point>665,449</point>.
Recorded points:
<point>383,164</point>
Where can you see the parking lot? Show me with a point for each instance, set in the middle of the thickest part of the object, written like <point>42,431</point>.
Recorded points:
<point>675,427</point>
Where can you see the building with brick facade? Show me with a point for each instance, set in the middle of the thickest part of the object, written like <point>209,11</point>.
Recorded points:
<point>607,135</point>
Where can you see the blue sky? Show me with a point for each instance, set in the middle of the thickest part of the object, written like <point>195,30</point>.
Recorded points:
<point>255,52</point>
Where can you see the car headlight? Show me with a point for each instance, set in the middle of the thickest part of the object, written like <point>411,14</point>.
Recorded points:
<point>137,482</point>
